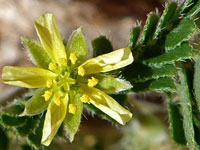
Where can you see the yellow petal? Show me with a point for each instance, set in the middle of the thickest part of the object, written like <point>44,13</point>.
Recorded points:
<point>49,36</point>
<point>29,77</point>
<point>108,62</point>
<point>54,117</point>
<point>107,104</point>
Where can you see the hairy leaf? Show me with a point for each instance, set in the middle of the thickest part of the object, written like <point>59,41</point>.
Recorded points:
<point>176,123</point>
<point>184,96</point>
<point>184,51</point>
<point>181,33</point>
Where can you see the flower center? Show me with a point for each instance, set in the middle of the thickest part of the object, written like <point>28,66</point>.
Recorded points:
<point>60,86</point>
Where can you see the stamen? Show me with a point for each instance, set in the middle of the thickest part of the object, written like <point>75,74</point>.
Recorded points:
<point>47,95</point>
<point>92,82</point>
<point>57,98</point>
<point>49,83</point>
<point>63,61</point>
<point>73,58</point>
<point>53,66</point>
<point>85,99</point>
<point>72,109</point>
<point>81,71</point>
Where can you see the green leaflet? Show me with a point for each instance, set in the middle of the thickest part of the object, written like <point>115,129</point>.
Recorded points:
<point>72,121</point>
<point>41,58</point>
<point>184,97</point>
<point>134,35</point>
<point>4,141</point>
<point>184,51</point>
<point>138,72</point>
<point>181,33</point>
<point>176,123</point>
<point>12,121</point>
<point>28,127</point>
<point>161,84</point>
<point>166,18</point>
<point>35,138</point>
<point>36,104</point>
<point>76,44</point>
<point>14,108</point>
<point>149,28</point>
<point>101,45</point>
<point>194,11</point>
<point>196,82</point>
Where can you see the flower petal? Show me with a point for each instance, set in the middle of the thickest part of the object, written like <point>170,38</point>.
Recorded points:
<point>72,121</point>
<point>107,104</point>
<point>108,62</point>
<point>111,85</point>
<point>29,77</point>
<point>49,36</point>
<point>38,53</point>
<point>36,104</point>
<point>76,44</point>
<point>54,117</point>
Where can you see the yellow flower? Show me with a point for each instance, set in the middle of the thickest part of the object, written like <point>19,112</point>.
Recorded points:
<point>66,79</point>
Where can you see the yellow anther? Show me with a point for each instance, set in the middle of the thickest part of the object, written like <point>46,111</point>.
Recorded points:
<point>53,66</point>
<point>49,83</point>
<point>72,109</point>
<point>85,99</point>
<point>63,61</point>
<point>92,82</point>
<point>73,58</point>
<point>57,98</point>
<point>47,95</point>
<point>81,71</point>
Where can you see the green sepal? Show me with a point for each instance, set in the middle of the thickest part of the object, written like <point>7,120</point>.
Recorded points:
<point>185,51</point>
<point>76,44</point>
<point>29,127</point>
<point>166,18</point>
<point>38,53</point>
<point>35,138</point>
<point>14,108</point>
<point>4,140</point>
<point>194,11</point>
<point>186,109</point>
<point>181,33</point>
<point>134,36</point>
<point>196,81</point>
<point>101,45</point>
<point>110,84</point>
<point>12,121</point>
<point>149,28</point>
<point>138,72</point>
<point>161,84</point>
<point>36,104</point>
<point>176,123</point>
<point>72,121</point>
